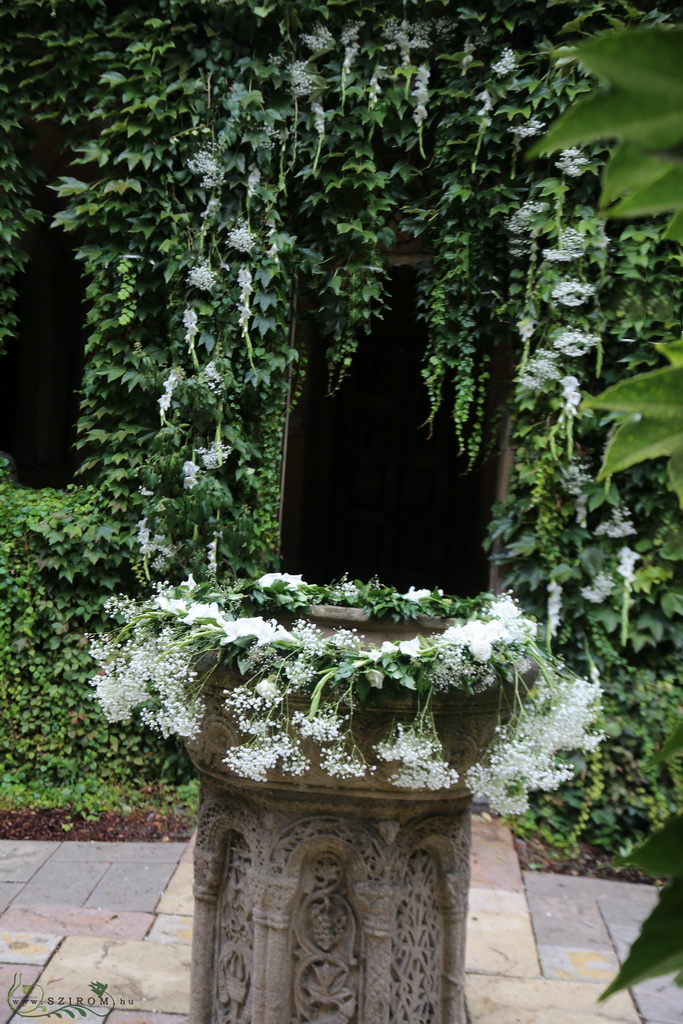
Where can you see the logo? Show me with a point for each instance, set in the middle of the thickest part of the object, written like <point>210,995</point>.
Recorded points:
<point>31,1002</point>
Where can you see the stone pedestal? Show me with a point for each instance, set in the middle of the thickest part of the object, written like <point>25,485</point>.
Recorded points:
<point>329,908</point>
<point>334,901</point>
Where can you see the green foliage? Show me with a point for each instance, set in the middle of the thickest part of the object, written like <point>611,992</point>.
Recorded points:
<point>655,424</point>
<point>61,555</point>
<point>220,143</point>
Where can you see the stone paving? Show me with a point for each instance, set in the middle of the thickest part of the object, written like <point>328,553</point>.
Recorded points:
<point>75,917</point>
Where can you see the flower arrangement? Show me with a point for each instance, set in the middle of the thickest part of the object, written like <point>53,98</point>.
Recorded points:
<point>152,663</point>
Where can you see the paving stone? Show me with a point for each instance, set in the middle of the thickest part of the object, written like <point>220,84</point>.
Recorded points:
<point>147,976</point>
<point>59,884</point>
<point>631,910</point>
<point>178,898</point>
<point>10,976</point>
<point>566,921</point>
<point>19,861</point>
<point>130,886</point>
<point>495,901</point>
<point>585,890</point>
<point>171,928</point>
<point>494,861</point>
<point>188,855</point>
<point>27,947</point>
<point>77,921</point>
<point>492,1000</point>
<point>148,853</point>
<point>8,891</point>
<point>578,964</point>
<point>501,944</point>
<point>659,1000</point>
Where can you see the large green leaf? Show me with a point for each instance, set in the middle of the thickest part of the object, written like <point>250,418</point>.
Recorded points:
<point>637,440</point>
<point>658,393</point>
<point>616,114</point>
<point>660,854</point>
<point>629,169</point>
<point>660,195</point>
<point>658,949</point>
<point>674,745</point>
<point>655,427</point>
<point>646,61</point>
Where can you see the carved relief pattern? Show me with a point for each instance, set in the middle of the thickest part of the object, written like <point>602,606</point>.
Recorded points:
<point>418,939</point>
<point>306,829</point>
<point>235,939</point>
<point>325,942</point>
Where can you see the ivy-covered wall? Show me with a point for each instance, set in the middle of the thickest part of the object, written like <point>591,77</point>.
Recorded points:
<point>224,157</point>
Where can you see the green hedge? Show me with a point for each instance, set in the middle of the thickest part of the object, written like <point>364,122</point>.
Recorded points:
<point>61,555</point>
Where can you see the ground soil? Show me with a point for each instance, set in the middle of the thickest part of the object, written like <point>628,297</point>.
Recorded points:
<point>590,862</point>
<point>138,826</point>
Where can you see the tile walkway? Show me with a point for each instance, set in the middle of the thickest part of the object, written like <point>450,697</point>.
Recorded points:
<point>75,917</point>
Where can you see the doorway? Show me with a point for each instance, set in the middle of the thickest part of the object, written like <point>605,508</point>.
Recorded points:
<point>369,491</point>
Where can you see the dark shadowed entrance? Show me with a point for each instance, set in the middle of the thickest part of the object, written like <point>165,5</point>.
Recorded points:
<point>367,490</point>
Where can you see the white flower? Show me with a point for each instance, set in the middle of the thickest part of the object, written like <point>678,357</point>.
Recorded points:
<point>571,162</point>
<point>571,247</point>
<point>388,648</point>
<point>506,64</point>
<point>165,401</point>
<point>575,343</point>
<point>190,470</point>
<point>410,647</point>
<point>420,94</point>
<point>599,590</point>
<point>190,322</point>
<point>572,292</point>
<point>416,595</point>
<point>267,688</point>
<point>375,678</point>
<point>554,607</point>
<point>253,180</point>
<point>212,378</point>
<point>526,327</point>
<point>319,118</point>
<point>486,103</point>
<point>201,276</point>
<point>241,238</point>
<point>244,279</point>
<point>626,566</point>
<point>302,79</point>
<point>318,39</point>
<point>204,162</point>
<point>620,524</point>
<point>571,392</point>
<point>542,369</point>
<point>273,577</point>
<point>527,130</point>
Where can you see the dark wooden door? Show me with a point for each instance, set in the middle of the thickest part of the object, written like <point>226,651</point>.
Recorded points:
<point>381,495</point>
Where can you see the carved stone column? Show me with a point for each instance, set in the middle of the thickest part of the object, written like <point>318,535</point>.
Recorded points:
<point>328,901</point>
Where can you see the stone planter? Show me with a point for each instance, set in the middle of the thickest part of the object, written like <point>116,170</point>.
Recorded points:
<point>329,901</point>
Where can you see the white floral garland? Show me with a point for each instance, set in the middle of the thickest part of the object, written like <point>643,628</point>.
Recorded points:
<point>149,665</point>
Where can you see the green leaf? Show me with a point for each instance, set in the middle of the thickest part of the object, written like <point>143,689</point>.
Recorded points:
<point>629,168</point>
<point>660,854</point>
<point>674,745</point>
<point>658,196</point>
<point>640,439</point>
<point>659,947</point>
<point>650,121</point>
<point>658,393</point>
<point>645,61</point>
